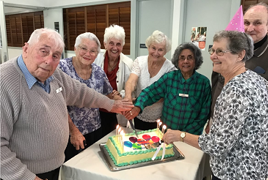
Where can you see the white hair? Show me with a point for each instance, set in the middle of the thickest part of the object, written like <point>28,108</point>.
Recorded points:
<point>87,35</point>
<point>35,36</point>
<point>158,37</point>
<point>114,31</point>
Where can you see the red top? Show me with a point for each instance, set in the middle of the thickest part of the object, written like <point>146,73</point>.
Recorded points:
<point>111,75</point>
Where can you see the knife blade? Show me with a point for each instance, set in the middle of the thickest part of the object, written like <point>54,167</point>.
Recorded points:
<point>132,126</point>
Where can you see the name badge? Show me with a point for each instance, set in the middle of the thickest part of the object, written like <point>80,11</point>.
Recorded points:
<point>59,90</point>
<point>183,95</point>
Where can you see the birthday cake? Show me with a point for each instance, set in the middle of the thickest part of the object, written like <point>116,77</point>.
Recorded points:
<point>128,149</point>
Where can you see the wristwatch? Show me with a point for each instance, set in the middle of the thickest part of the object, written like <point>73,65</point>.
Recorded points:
<point>183,134</point>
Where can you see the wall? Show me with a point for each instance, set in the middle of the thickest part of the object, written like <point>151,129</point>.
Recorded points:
<point>70,53</point>
<point>58,3</point>
<point>27,2</point>
<point>14,52</point>
<point>148,21</point>
<point>51,16</point>
<point>213,14</point>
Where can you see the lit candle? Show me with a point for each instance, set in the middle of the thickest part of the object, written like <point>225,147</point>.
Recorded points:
<point>116,130</point>
<point>159,126</point>
<point>118,135</point>
<point>157,121</point>
<point>119,129</point>
<point>160,123</point>
<point>122,134</point>
<point>163,129</point>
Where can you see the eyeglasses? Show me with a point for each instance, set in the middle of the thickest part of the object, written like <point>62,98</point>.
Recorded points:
<point>189,58</point>
<point>219,52</point>
<point>85,50</point>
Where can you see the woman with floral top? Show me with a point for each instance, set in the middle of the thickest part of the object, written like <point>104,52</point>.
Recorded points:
<point>238,140</point>
<point>85,123</point>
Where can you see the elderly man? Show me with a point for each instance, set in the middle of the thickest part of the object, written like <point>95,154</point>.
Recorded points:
<point>256,25</point>
<point>34,118</point>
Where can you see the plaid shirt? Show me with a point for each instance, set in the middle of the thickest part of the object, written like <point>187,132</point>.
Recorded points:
<point>179,111</point>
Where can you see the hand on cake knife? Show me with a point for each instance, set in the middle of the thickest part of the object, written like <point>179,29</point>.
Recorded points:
<point>132,126</point>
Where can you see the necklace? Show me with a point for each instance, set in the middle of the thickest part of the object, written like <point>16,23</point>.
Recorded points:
<point>112,67</point>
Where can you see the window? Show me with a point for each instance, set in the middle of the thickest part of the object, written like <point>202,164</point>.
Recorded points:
<point>95,19</point>
<point>19,27</point>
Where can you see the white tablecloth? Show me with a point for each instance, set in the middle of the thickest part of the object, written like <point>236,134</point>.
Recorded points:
<point>90,164</point>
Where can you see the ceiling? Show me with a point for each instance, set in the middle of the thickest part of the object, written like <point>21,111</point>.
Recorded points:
<point>17,9</point>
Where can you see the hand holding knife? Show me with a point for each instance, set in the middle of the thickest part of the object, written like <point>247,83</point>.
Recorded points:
<point>133,127</point>
<point>130,117</point>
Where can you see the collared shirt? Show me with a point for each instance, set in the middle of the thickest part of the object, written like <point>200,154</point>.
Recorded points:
<point>30,79</point>
<point>186,102</point>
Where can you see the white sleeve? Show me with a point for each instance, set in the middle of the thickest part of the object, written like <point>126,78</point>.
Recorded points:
<point>136,67</point>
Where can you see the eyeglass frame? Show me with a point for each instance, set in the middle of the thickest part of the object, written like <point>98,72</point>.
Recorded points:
<point>192,58</point>
<point>210,51</point>
<point>85,50</point>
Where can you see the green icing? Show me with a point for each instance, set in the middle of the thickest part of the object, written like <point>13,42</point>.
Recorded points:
<point>136,146</point>
<point>135,152</point>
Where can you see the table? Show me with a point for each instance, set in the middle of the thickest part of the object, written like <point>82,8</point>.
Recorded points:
<point>90,164</point>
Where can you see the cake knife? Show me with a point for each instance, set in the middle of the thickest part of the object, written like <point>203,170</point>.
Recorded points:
<point>132,126</point>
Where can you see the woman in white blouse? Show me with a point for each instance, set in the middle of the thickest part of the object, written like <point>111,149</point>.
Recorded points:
<point>145,71</point>
<point>238,140</point>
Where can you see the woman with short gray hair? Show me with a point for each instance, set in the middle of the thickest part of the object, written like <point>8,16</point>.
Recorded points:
<point>158,37</point>
<point>85,123</point>
<point>237,43</point>
<point>145,71</point>
<point>237,142</point>
<point>117,67</point>
<point>195,50</point>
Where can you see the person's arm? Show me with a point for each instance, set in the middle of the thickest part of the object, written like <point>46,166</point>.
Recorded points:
<point>132,81</point>
<point>226,129</point>
<point>123,73</point>
<point>11,165</point>
<point>76,137</point>
<point>78,94</point>
<point>115,95</point>
<point>175,135</point>
<point>152,93</point>
<point>37,178</point>
<point>131,86</point>
<point>107,88</point>
<point>120,106</point>
<point>148,96</point>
